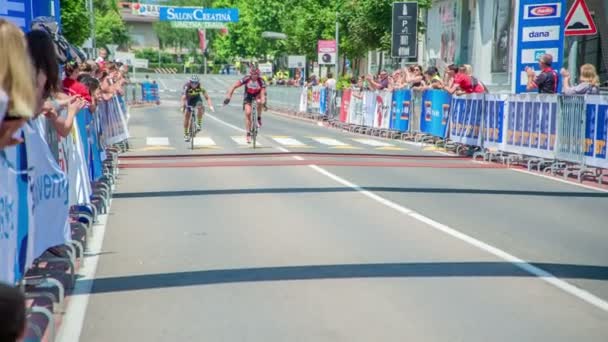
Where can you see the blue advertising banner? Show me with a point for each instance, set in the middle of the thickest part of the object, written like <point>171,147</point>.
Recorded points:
<point>465,119</point>
<point>199,14</point>
<point>539,27</point>
<point>596,131</point>
<point>402,105</point>
<point>21,12</point>
<point>323,101</point>
<point>493,121</point>
<point>435,112</point>
<point>532,125</point>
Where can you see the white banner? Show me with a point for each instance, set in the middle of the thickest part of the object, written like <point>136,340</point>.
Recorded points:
<point>50,195</point>
<point>303,100</point>
<point>355,108</point>
<point>369,108</point>
<point>113,122</point>
<point>9,217</point>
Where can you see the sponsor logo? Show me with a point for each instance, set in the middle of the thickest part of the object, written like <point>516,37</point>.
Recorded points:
<point>540,33</point>
<point>542,11</point>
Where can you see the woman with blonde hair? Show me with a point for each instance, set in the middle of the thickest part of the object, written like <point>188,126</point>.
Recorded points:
<point>16,80</point>
<point>589,81</point>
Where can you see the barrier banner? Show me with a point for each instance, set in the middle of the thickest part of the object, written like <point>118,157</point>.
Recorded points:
<point>369,108</point>
<point>532,125</point>
<point>304,100</point>
<point>493,118</point>
<point>345,104</point>
<point>48,186</point>
<point>78,167</point>
<point>465,119</point>
<point>355,111</point>
<point>113,124</point>
<point>596,130</point>
<point>323,101</point>
<point>382,116</point>
<point>402,106</point>
<point>435,112</point>
<point>10,272</point>
<point>314,104</point>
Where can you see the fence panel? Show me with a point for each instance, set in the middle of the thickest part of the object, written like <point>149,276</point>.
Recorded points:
<point>571,129</point>
<point>436,112</point>
<point>345,104</point>
<point>596,131</point>
<point>531,122</point>
<point>382,112</point>
<point>401,110</point>
<point>466,119</point>
<point>493,122</point>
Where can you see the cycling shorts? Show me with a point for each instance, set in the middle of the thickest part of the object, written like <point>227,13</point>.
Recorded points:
<point>195,101</point>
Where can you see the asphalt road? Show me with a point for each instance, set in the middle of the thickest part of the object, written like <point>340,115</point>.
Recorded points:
<point>226,244</point>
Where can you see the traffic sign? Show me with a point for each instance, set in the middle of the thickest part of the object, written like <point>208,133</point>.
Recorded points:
<point>404,43</point>
<point>579,21</point>
<point>327,51</point>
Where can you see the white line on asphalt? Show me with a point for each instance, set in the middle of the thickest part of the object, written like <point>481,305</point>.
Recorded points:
<point>225,123</point>
<point>559,180</point>
<point>157,141</point>
<point>287,141</point>
<point>329,141</point>
<point>73,321</point>
<point>517,262</point>
<point>372,142</point>
<point>540,273</point>
<point>204,141</point>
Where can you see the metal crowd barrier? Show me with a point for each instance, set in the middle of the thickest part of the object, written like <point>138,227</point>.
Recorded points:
<point>44,234</point>
<point>138,93</point>
<point>553,133</point>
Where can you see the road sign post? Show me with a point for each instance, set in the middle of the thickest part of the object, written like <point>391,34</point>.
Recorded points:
<point>404,42</point>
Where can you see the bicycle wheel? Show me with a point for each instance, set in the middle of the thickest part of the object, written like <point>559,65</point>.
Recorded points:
<point>192,130</point>
<point>254,122</point>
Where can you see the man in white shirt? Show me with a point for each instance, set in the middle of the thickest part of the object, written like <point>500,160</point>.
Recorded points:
<point>331,82</point>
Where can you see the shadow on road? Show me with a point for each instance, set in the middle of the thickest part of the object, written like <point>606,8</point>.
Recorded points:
<point>345,271</point>
<point>259,191</point>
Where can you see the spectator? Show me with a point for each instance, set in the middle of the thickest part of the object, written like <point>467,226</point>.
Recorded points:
<point>460,83</point>
<point>432,79</point>
<point>103,54</point>
<point>414,77</point>
<point>546,81</point>
<point>331,81</point>
<point>12,312</point>
<point>71,84</point>
<point>312,81</point>
<point>42,52</point>
<point>93,85</point>
<point>478,86</point>
<point>382,83</point>
<point>589,81</point>
<point>16,80</point>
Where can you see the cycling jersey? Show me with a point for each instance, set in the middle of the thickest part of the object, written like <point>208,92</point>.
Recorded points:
<point>192,92</point>
<point>252,87</point>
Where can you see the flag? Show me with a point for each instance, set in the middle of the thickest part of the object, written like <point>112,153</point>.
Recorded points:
<point>201,40</point>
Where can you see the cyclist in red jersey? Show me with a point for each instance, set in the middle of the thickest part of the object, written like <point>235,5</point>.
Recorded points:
<point>255,89</point>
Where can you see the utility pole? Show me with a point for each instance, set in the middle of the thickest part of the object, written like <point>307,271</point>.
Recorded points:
<point>91,10</point>
<point>337,47</point>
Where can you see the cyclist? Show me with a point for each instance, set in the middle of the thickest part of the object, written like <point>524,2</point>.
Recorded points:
<point>255,89</point>
<point>191,98</point>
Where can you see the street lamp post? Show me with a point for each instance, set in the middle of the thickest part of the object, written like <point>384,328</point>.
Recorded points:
<point>337,47</point>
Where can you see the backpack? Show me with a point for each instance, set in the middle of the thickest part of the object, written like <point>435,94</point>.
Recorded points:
<point>475,82</point>
<point>65,51</point>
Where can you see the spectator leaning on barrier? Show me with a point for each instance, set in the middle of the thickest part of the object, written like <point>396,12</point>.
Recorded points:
<point>413,76</point>
<point>460,83</point>
<point>432,79</point>
<point>382,82</point>
<point>17,81</point>
<point>546,81</point>
<point>478,86</point>
<point>12,313</point>
<point>589,82</point>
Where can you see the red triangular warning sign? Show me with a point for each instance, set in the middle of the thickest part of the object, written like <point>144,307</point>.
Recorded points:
<point>579,21</point>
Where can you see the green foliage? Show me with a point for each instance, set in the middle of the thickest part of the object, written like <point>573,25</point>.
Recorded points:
<point>75,21</point>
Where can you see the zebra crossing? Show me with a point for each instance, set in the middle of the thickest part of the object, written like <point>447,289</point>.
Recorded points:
<point>308,142</point>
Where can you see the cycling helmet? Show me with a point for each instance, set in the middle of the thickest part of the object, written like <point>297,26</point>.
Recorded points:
<point>194,79</point>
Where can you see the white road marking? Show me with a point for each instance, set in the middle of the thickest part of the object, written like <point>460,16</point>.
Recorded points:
<point>372,142</point>
<point>287,141</point>
<point>242,141</point>
<point>73,321</point>
<point>204,142</point>
<point>329,141</point>
<point>559,180</point>
<point>517,262</point>
<point>157,141</point>
<point>225,123</point>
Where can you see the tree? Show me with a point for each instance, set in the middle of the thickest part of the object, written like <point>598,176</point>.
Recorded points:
<point>75,21</point>
<point>109,27</point>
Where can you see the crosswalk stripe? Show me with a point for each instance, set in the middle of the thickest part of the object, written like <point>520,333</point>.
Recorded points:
<point>205,142</point>
<point>374,143</point>
<point>242,141</point>
<point>157,141</point>
<point>329,141</point>
<point>289,142</point>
